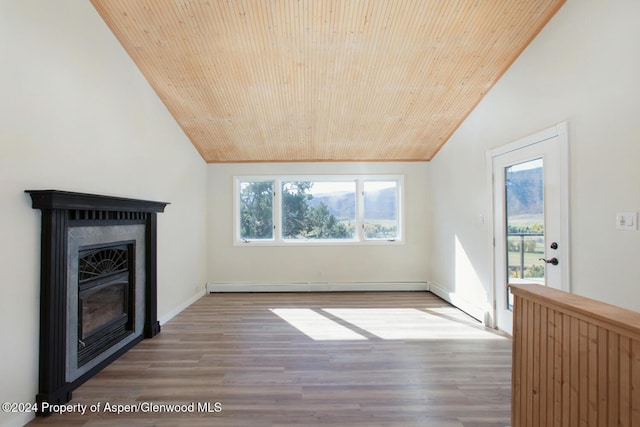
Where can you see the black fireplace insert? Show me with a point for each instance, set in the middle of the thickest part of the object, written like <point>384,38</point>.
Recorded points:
<point>106,298</point>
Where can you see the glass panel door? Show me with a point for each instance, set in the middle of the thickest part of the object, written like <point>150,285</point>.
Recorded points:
<point>530,217</point>
<point>524,223</point>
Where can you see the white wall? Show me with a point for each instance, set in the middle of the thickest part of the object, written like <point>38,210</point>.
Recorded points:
<point>231,264</point>
<point>73,102</point>
<point>583,68</point>
<point>77,115</point>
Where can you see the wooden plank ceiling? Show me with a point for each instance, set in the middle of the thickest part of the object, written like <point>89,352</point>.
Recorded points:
<point>323,80</point>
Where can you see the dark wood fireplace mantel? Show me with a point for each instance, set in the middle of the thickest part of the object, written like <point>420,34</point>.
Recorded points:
<point>66,200</point>
<point>61,211</point>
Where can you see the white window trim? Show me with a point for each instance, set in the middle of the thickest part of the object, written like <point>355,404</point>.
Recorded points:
<point>277,239</point>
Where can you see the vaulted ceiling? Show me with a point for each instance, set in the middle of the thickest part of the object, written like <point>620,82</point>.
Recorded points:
<point>323,80</point>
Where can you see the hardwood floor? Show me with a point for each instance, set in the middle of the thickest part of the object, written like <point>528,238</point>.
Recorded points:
<point>364,359</point>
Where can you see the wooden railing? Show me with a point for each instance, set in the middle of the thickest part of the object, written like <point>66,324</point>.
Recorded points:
<point>576,361</point>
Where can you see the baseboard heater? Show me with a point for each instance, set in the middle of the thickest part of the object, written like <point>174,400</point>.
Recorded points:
<point>318,287</point>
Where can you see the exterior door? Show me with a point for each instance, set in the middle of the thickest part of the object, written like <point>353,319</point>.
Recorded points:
<point>530,194</point>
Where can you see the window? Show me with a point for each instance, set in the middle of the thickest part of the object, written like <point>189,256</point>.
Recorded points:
<point>380,209</point>
<point>256,210</point>
<point>318,210</point>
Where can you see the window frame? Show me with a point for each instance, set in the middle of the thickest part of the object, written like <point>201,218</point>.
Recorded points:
<point>359,236</point>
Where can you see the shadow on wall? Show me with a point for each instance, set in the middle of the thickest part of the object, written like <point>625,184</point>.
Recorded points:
<point>467,282</point>
<point>467,294</point>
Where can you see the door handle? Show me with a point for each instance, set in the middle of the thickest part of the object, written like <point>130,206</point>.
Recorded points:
<point>552,261</point>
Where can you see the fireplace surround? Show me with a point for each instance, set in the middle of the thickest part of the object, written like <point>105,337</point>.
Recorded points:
<point>98,294</point>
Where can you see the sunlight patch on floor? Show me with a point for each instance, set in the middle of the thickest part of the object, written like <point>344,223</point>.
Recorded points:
<point>315,325</point>
<point>384,323</point>
<point>411,324</point>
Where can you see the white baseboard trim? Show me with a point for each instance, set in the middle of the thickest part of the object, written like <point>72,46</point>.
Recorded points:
<point>471,308</point>
<point>318,287</point>
<point>170,315</point>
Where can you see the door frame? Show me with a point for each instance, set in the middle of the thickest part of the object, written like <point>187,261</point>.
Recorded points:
<point>559,130</point>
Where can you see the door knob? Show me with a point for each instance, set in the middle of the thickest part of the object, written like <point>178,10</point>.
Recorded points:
<point>552,261</point>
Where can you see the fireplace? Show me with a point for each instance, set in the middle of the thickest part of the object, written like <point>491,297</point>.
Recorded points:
<point>106,304</point>
<point>98,285</point>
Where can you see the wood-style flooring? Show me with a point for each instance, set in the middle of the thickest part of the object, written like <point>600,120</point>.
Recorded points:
<point>308,359</point>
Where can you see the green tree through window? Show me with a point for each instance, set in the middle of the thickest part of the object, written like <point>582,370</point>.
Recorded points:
<point>302,221</point>
<point>295,209</point>
<point>256,210</point>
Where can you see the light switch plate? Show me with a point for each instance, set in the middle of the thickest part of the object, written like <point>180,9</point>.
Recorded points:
<point>627,220</point>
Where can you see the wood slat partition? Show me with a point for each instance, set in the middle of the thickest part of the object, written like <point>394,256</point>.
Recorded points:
<point>576,361</point>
